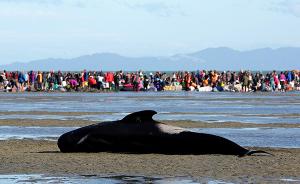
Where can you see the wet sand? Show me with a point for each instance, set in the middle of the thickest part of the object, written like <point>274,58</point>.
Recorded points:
<point>108,113</point>
<point>183,124</point>
<point>35,157</point>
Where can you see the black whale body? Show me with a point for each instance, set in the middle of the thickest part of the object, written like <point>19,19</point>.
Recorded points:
<point>139,133</point>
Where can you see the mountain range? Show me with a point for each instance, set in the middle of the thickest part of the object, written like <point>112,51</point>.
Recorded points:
<point>221,58</point>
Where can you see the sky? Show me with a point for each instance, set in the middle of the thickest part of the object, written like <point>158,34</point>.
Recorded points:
<point>38,29</point>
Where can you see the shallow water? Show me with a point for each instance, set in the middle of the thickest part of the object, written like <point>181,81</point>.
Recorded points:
<point>36,178</point>
<point>122,179</point>
<point>254,137</point>
<point>34,133</point>
<point>258,137</point>
<point>210,107</point>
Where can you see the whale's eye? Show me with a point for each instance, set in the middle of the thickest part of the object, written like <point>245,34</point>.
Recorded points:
<point>138,120</point>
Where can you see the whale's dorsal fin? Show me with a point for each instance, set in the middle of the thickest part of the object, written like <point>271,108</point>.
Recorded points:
<point>139,117</point>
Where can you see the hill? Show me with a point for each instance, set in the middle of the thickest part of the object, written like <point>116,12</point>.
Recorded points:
<point>221,58</point>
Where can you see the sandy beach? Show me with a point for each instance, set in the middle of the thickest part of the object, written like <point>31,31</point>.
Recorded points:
<point>31,157</point>
<point>35,157</point>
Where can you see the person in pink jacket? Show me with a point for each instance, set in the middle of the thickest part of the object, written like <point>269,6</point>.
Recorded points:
<point>282,80</point>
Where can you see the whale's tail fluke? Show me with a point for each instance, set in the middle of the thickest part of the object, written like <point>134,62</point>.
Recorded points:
<point>251,152</point>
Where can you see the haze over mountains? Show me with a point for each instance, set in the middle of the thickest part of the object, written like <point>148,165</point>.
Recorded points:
<point>221,58</point>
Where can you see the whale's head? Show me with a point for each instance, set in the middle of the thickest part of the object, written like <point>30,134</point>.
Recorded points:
<point>83,139</point>
<point>70,141</point>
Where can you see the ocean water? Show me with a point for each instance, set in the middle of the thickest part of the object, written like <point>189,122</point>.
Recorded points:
<point>257,108</point>
<point>123,179</point>
<point>40,178</point>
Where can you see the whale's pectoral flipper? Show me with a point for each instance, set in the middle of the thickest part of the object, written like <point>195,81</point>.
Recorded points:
<point>139,117</point>
<point>83,139</point>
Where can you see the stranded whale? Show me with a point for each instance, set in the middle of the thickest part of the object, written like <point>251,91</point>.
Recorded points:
<point>139,133</point>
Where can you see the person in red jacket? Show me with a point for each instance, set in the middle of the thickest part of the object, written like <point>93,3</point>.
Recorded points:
<point>92,82</point>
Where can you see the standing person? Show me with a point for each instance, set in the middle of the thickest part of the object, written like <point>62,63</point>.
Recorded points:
<point>214,78</point>
<point>82,80</point>
<point>14,81</point>
<point>109,78</point>
<point>272,83</point>
<point>117,81</point>
<point>85,75</point>
<point>250,80</point>
<point>146,82</point>
<point>51,81</point>
<point>228,77</point>
<point>289,77</point>
<point>245,82</point>
<point>234,78</point>
<point>282,80</point>
<point>45,81</point>
<point>151,77</point>
<point>194,81</point>
<point>32,79</point>
<point>59,78</point>
<point>2,79</point>
<point>100,81</point>
<point>39,81</point>
<point>21,81</point>
<point>174,77</point>
<point>26,77</point>
<point>187,81</point>
<point>255,82</point>
<point>276,80</point>
<point>136,82</point>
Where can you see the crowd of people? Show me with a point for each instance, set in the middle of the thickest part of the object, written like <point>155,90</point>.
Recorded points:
<point>202,80</point>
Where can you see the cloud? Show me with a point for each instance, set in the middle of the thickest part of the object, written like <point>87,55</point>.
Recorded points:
<point>52,2</point>
<point>26,13</point>
<point>153,7</point>
<point>36,8</point>
<point>287,6</point>
<point>74,3</point>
